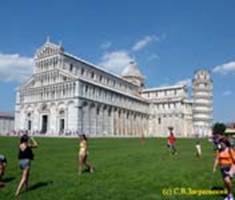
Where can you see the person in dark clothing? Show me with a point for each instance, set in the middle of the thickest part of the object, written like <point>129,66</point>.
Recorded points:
<point>25,155</point>
<point>3,164</point>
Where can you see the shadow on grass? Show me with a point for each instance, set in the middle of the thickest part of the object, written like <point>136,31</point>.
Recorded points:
<point>2,184</point>
<point>40,185</point>
<point>8,179</point>
<point>219,188</point>
<point>87,170</point>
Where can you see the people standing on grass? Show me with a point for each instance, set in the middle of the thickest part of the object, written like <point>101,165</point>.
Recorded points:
<point>218,131</point>
<point>225,157</point>
<point>25,156</point>
<point>3,164</point>
<point>225,160</point>
<point>142,138</point>
<point>171,141</point>
<point>198,149</point>
<point>83,155</point>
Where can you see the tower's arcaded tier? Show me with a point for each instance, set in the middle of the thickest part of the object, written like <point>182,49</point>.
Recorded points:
<point>202,103</point>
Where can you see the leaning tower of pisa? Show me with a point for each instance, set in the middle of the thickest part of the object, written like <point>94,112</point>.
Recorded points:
<point>202,103</point>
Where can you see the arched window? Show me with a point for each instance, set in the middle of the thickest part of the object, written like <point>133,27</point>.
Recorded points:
<point>92,75</point>
<point>71,67</point>
<point>82,71</point>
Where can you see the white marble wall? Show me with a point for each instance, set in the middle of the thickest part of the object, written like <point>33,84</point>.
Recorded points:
<point>6,125</point>
<point>96,102</point>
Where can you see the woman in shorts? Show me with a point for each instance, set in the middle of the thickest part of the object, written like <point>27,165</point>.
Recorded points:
<point>83,154</point>
<point>225,160</point>
<point>25,156</point>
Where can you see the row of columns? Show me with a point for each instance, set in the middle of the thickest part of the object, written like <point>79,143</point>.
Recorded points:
<point>99,119</point>
<point>6,125</point>
<point>64,90</point>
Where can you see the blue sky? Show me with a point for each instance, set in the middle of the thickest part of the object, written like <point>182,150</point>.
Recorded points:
<point>168,39</point>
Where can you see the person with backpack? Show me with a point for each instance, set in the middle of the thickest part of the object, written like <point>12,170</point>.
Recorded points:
<point>225,159</point>
<point>25,156</point>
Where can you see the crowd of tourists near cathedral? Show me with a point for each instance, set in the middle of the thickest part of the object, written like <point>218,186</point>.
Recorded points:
<point>26,156</point>
<point>223,147</point>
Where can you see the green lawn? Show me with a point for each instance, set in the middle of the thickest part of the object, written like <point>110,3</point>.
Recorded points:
<point>125,169</point>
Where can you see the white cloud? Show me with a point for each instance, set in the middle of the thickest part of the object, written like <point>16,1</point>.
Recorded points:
<point>139,45</point>
<point>106,45</point>
<point>225,68</point>
<point>187,82</point>
<point>115,61</point>
<point>153,57</point>
<point>14,67</point>
<point>227,93</point>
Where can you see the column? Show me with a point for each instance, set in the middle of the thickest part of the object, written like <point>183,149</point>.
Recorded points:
<point>99,120</point>
<point>119,122</point>
<point>105,120</point>
<point>110,121</point>
<point>124,123</point>
<point>85,118</point>
<point>80,119</point>
<point>131,124</point>
<point>137,125</point>
<point>93,118</point>
<point>115,121</point>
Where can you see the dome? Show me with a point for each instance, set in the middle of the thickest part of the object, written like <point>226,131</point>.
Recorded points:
<point>132,74</point>
<point>132,71</point>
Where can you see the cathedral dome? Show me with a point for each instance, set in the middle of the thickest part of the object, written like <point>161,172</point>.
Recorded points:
<point>132,74</point>
<point>132,71</point>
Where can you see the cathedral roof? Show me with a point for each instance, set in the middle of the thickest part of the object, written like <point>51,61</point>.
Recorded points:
<point>48,48</point>
<point>132,71</point>
<point>169,87</point>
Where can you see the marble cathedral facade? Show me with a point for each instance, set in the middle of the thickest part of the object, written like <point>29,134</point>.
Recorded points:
<point>67,95</point>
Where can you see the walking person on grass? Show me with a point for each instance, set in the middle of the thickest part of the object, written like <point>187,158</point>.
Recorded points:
<point>83,155</point>
<point>25,157</point>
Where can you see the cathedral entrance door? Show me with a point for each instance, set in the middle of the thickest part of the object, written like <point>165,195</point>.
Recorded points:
<point>61,124</point>
<point>44,123</point>
<point>29,125</point>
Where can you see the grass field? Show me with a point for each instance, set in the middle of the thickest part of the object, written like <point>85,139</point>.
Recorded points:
<point>125,169</point>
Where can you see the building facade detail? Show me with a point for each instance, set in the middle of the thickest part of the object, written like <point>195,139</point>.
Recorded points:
<point>6,123</point>
<point>202,105</point>
<point>68,95</point>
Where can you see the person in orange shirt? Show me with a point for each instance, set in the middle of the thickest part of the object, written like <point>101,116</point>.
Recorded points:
<point>225,160</point>
<point>171,140</point>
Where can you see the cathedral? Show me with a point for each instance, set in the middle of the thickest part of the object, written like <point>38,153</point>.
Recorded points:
<point>67,95</point>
